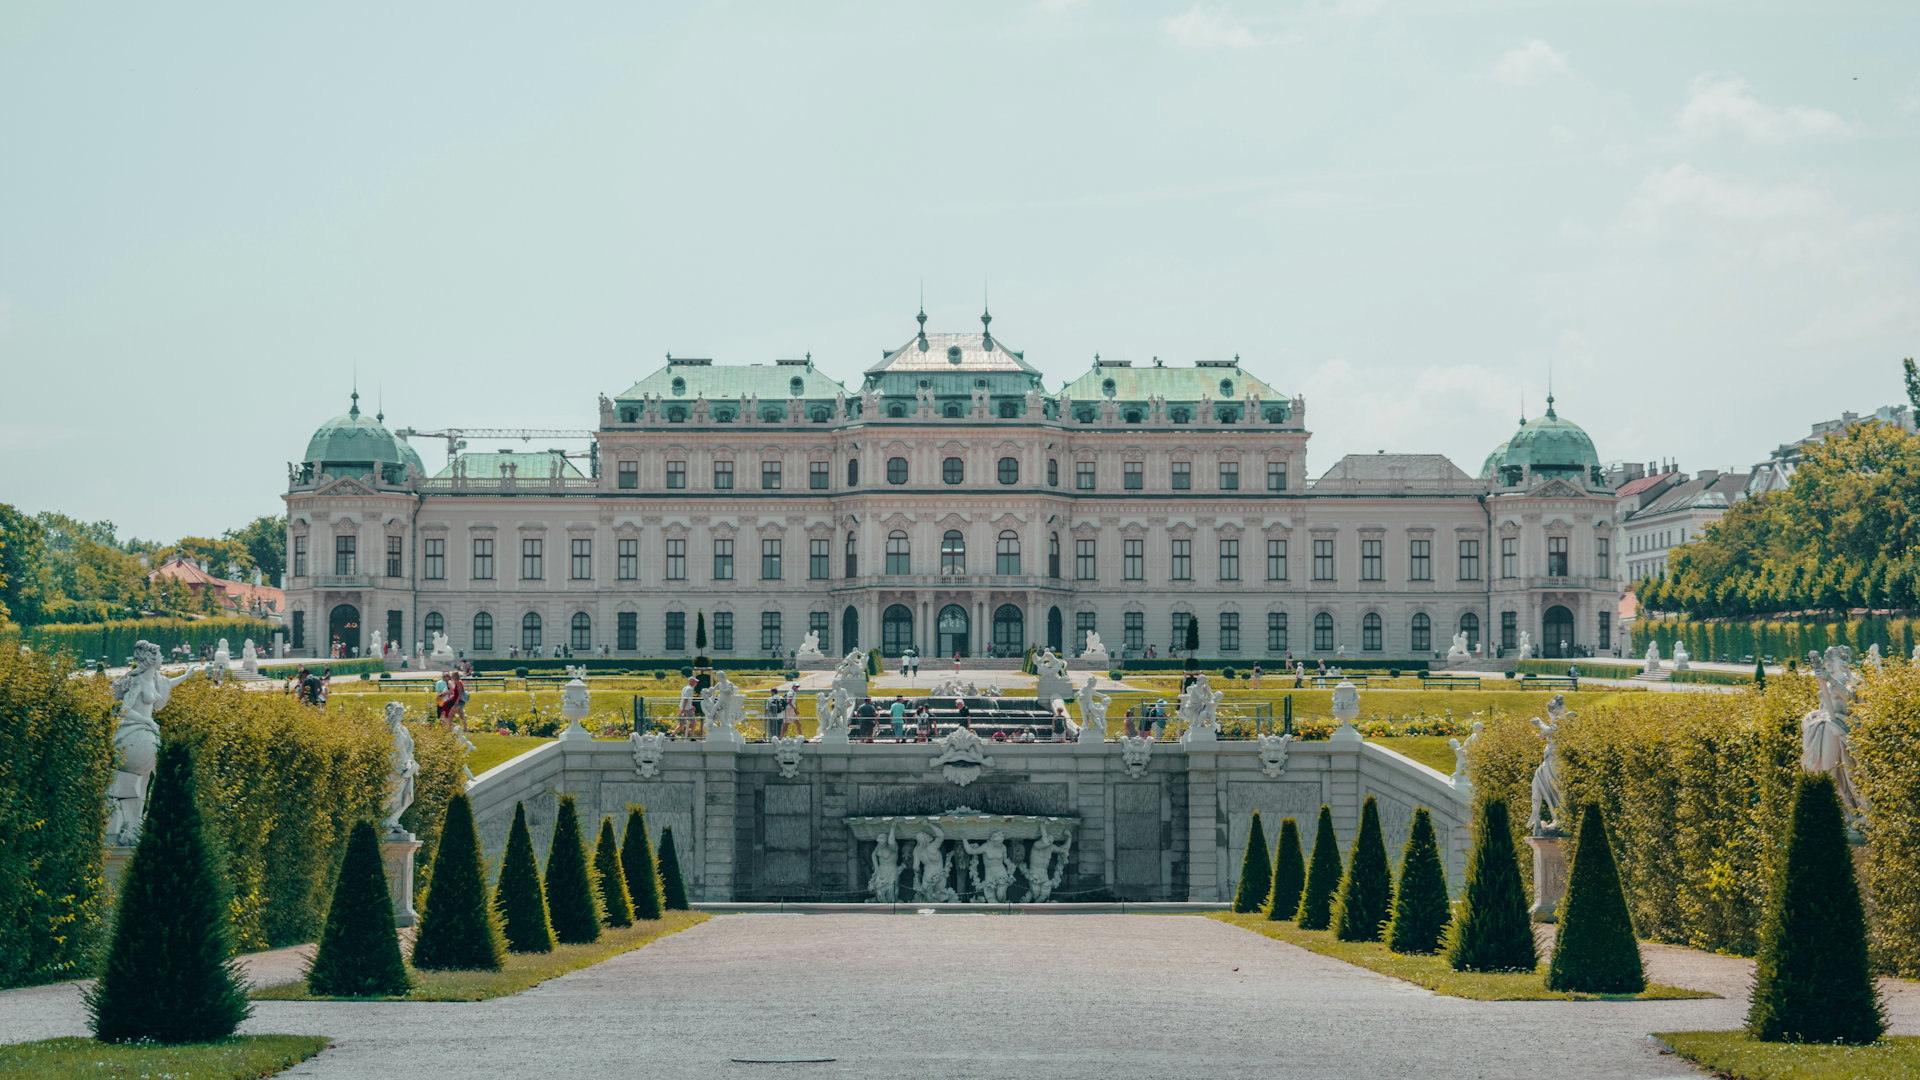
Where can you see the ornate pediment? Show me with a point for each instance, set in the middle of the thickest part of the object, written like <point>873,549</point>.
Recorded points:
<point>345,485</point>
<point>1556,489</point>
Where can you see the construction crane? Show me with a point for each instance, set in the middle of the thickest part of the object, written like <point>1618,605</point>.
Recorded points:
<point>457,439</point>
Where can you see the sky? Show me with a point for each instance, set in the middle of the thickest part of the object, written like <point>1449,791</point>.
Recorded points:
<point>1698,219</point>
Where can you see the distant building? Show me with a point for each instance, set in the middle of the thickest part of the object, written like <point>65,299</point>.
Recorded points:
<point>253,598</point>
<point>1668,510</point>
<point>1776,472</point>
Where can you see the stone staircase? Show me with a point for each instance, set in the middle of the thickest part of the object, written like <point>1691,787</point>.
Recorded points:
<point>1663,675</point>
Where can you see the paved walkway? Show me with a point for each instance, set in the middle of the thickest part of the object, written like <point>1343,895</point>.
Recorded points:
<point>1096,996</point>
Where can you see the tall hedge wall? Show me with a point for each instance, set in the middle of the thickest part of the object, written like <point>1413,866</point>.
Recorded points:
<point>1782,639</point>
<point>114,640</point>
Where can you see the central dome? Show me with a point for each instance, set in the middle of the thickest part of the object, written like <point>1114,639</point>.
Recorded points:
<point>353,444</point>
<point>1548,446</point>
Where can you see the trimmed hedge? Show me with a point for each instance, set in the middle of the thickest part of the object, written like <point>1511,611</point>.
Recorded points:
<point>1272,665</point>
<point>645,665</point>
<point>359,953</point>
<point>114,640</point>
<point>1714,678</point>
<point>1784,639</point>
<point>1589,669</point>
<point>1323,876</point>
<point>1256,871</point>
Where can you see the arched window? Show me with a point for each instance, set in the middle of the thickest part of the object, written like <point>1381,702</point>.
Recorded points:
<point>582,630</point>
<point>850,628</point>
<point>530,631</point>
<point>896,630</point>
<point>1053,473</point>
<point>853,562</point>
<point>1009,470</point>
<point>483,632</point>
<point>953,410</point>
<point>953,470</point>
<point>1470,625</point>
<point>433,624</point>
<point>896,410</point>
<point>1009,410</point>
<point>954,631</point>
<point>1422,634</point>
<point>1323,632</point>
<point>899,553</point>
<point>896,470</point>
<point>1056,631</point>
<point>853,472</point>
<point>1006,553</point>
<point>1370,633</point>
<point>1009,630</point>
<point>1053,555</point>
<point>953,555</point>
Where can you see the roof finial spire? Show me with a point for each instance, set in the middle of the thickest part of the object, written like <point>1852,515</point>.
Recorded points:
<point>381,415</point>
<point>1550,415</point>
<point>986,320</point>
<point>922,317</point>
<point>355,410</point>
<point>1523,404</point>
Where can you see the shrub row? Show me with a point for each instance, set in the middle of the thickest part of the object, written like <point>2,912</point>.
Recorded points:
<point>1714,678</point>
<point>1782,639</point>
<point>114,640</point>
<point>1272,665</point>
<point>1588,668</point>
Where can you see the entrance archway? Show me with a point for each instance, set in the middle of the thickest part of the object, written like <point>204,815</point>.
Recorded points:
<point>896,630</point>
<point>850,629</point>
<point>1556,638</point>
<point>954,628</point>
<point>1056,632</point>
<point>343,629</point>
<point>1009,630</point>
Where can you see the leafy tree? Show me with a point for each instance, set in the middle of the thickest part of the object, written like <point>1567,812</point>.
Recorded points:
<point>359,954</point>
<point>1911,375</point>
<point>612,877</point>
<point>1289,873</point>
<point>22,545</point>
<point>1256,871</point>
<point>642,873</point>
<point>1323,876</point>
<point>167,976</point>
<point>1366,892</point>
<point>1493,931</point>
<point>459,930</point>
<point>672,885</point>
<point>1815,981</point>
<point>571,904</point>
<point>265,540</point>
<point>1595,951</point>
<point>1192,644</point>
<point>1421,909</point>
<point>519,897</point>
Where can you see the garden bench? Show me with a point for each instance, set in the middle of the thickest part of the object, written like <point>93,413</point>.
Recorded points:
<point>1450,682</point>
<point>1557,682</point>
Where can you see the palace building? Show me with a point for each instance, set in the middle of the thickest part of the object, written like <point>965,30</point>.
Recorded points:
<point>949,502</point>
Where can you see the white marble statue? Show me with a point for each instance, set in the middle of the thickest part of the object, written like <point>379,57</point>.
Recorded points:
<point>442,652</point>
<point>1135,752</point>
<point>884,886</point>
<point>1093,712</point>
<point>648,747</point>
<point>405,767</point>
<point>1340,651</point>
<point>836,721</point>
<point>1052,681</point>
<point>466,747</point>
<point>930,867</point>
<point>1462,760</point>
<point>995,873</point>
<point>1826,732</point>
<point>136,740</point>
<point>1653,657</point>
<point>1459,653</point>
<point>809,648</point>
<point>786,754</point>
<point>1042,878</point>
<point>850,675</point>
<point>1199,708</point>
<point>1095,651</point>
<point>1526,645</point>
<point>962,756</point>
<point>1915,658</point>
<point>576,704</point>
<point>1273,753</point>
<point>222,659</point>
<point>374,645</point>
<point>1346,709</point>
<point>1682,659</point>
<point>249,658</point>
<point>725,709</point>
<point>1549,787</point>
<point>1873,656</point>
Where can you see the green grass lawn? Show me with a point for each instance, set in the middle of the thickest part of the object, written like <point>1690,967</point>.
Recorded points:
<point>490,749</point>
<point>238,1058</point>
<point>522,969</point>
<point>1433,972</point>
<point>1429,750</point>
<point>1735,1053</point>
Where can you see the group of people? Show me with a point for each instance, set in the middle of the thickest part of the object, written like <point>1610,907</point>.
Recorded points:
<point>1151,721</point>
<point>311,686</point>
<point>450,696</point>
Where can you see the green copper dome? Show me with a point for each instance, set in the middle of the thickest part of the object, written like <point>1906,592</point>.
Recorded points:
<point>1549,446</point>
<point>1494,461</point>
<point>352,444</point>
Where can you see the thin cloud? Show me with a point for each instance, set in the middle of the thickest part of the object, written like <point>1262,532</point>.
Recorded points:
<point>1056,6</point>
<point>1203,29</point>
<point>1686,189</point>
<point>1724,105</point>
<point>1529,64</point>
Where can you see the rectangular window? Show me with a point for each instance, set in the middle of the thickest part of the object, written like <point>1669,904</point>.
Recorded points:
<point>629,554</point>
<point>853,478</point>
<point>1277,633</point>
<point>821,623</point>
<point>896,470</point>
<point>1323,560</point>
<point>676,631</point>
<point>434,566</point>
<point>629,474</point>
<point>769,560</point>
<point>676,474</point>
<point>532,555</point>
<point>723,560</point>
<point>1370,569</point>
<point>1602,559</point>
<point>723,631</point>
<point>1182,475</point>
<point>394,550</point>
<point>299,628</point>
<point>819,553</point>
<point>770,632</point>
<point>344,551</point>
<point>1084,623</point>
<point>1606,630</point>
<point>1053,555</point>
<point>1229,560</point>
<point>1420,560</point>
<point>1229,476</point>
<point>1180,621</point>
<point>1509,629</point>
<point>1182,560</point>
<point>1469,560</point>
<point>1276,476</point>
<point>1053,473</point>
<point>1510,557</point>
<point>1083,566</point>
<point>723,476</point>
<point>627,631</point>
<point>1229,631</point>
<point>483,632</point>
<point>1276,560</point>
<point>676,560</point>
<point>1323,632</point>
<point>1133,559</point>
<point>1133,475</point>
<point>299,556</point>
<point>1083,475</point>
<point>1135,629</point>
<point>582,569</point>
<point>1557,556</point>
<point>482,560</point>
<point>769,476</point>
<point>817,475</point>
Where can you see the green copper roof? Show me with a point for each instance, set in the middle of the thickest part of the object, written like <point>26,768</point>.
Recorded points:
<point>1172,383</point>
<point>353,437</point>
<point>537,465</point>
<point>771,383</point>
<point>1494,460</point>
<point>1550,444</point>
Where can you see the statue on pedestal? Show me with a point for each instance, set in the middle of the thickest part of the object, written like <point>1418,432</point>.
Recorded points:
<point>996,872</point>
<point>136,740</point>
<point>1825,733</point>
<point>1526,645</point>
<point>930,866</point>
<point>809,648</point>
<point>1093,712</point>
<point>1549,787</point>
<point>1462,764</point>
<point>1041,880</point>
<point>1681,658</point>
<point>1199,708</point>
<point>249,658</point>
<point>1653,657</point>
<point>725,709</point>
<point>884,886</point>
<point>442,652</point>
<point>1459,654</point>
<point>1096,651</point>
<point>405,767</point>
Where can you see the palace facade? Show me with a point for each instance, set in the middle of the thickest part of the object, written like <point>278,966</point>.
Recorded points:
<point>949,502</point>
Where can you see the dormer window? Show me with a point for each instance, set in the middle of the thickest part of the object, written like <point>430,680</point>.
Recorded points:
<point>1226,387</point>
<point>953,410</point>
<point>796,386</point>
<point>953,355</point>
<point>1107,387</point>
<point>679,386</point>
<point>896,410</point>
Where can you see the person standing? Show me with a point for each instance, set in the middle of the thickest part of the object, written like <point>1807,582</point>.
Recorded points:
<point>956,661</point>
<point>899,711</point>
<point>792,711</point>
<point>1256,677</point>
<point>965,715</point>
<point>684,729</point>
<point>923,720</point>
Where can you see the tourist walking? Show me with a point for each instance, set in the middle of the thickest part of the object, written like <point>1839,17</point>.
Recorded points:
<point>899,711</point>
<point>956,661</point>
<point>684,729</point>
<point>923,720</point>
<point>792,711</point>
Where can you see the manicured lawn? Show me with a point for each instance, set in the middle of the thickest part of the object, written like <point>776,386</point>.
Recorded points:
<point>238,1058</point>
<point>1735,1053</point>
<point>1433,972</point>
<point>1429,750</point>
<point>490,749</point>
<point>522,969</point>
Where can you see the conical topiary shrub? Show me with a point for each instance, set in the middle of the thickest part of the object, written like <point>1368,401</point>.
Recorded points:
<point>1814,982</point>
<point>459,930</point>
<point>636,858</point>
<point>1759,673</point>
<point>1289,873</point>
<point>613,878</point>
<point>1256,870</point>
<point>673,887</point>
<point>1492,931</point>
<point>519,897</point>
<point>1366,892</point>
<point>1323,876</point>
<point>1420,907</point>
<point>571,904</point>
<point>166,976</point>
<point>359,954</point>
<point>1595,951</point>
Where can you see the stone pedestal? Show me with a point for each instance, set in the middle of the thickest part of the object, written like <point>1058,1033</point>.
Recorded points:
<point>396,851</point>
<point>1549,877</point>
